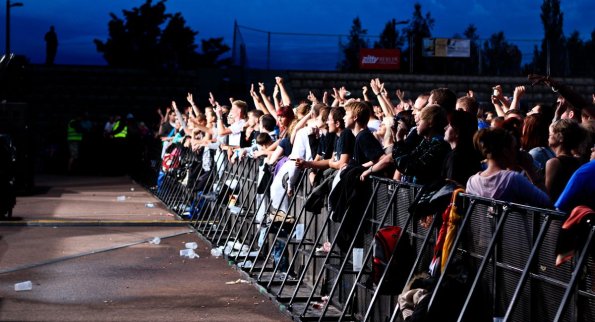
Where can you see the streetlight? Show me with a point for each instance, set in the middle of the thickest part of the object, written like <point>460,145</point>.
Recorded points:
<point>8,6</point>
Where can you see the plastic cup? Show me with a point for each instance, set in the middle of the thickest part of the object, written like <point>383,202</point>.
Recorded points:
<point>191,245</point>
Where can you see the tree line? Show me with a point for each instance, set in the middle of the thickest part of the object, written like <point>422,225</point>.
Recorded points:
<point>568,56</point>
<point>148,37</point>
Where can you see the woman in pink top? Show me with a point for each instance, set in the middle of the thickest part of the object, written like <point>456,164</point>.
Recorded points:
<point>497,182</point>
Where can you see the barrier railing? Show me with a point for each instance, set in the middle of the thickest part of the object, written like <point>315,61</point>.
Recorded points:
<point>502,259</point>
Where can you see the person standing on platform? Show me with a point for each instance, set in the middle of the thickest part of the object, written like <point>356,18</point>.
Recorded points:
<point>51,46</point>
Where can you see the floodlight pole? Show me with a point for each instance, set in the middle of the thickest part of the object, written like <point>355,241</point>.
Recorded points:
<point>8,6</point>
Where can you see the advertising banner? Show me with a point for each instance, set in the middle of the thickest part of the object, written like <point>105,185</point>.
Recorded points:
<point>385,59</point>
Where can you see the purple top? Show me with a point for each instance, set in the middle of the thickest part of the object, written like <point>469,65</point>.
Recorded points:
<point>507,185</point>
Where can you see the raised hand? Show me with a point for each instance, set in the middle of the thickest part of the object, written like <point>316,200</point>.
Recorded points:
<point>279,80</point>
<point>325,98</point>
<point>190,99</point>
<point>519,91</point>
<point>470,93</point>
<point>342,93</point>
<point>261,88</point>
<point>375,85</point>
<point>364,90</point>
<point>312,98</point>
<point>212,100</point>
<point>335,94</point>
<point>400,94</point>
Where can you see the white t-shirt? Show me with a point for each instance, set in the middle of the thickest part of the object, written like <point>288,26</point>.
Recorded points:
<point>236,132</point>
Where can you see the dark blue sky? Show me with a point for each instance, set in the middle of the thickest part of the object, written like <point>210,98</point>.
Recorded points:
<point>78,22</point>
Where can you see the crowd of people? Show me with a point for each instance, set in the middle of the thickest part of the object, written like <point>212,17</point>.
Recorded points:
<point>540,155</point>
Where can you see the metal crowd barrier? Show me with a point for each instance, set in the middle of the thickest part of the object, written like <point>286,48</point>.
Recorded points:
<point>509,249</point>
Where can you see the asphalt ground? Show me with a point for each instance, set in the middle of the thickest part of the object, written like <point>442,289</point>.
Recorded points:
<point>88,258</point>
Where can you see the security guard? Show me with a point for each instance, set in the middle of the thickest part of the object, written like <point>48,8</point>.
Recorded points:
<point>120,153</point>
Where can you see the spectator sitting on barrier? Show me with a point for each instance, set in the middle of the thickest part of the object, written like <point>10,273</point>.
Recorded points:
<point>565,136</point>
<point>497,181</point>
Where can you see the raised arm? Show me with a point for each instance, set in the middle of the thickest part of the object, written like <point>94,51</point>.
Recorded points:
<point>179,115</point>
<point>300,124</point>
<point>269,105</point>
<point>365,93</point>
<point>276,97</point>
<point>284,96</point>
<point>190,100</point>
<point>336,98</point>
<point>519,91</point>
<point>377,88</point>
<point>257,101</point>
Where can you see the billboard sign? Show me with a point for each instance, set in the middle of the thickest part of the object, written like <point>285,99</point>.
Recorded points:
<point>384,59</point>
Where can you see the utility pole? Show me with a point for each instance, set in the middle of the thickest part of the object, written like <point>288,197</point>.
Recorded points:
<point>8,6</point>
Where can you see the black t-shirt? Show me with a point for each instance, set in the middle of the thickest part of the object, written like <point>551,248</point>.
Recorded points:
<point>344,144</point>
<point>326,145</point>
<point>285,143</point>
<point>366,148</point>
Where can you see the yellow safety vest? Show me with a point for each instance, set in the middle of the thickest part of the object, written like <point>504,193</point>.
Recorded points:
<point>73,134</point>
<point>122,134</point>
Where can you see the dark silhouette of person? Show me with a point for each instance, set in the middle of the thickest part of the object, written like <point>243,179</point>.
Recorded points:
<point>51,46</point>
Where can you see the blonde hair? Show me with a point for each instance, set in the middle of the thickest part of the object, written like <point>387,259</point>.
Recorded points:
<point>359,110</point>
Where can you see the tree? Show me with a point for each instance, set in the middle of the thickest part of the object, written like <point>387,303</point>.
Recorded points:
<point>177,44</point>
<point>351,49</point>
<point>500,57</point>
<point>471,34</point>
<point>390,37</point>
<point>212,49</point>
<point>554,42</point>
<point>139,41</point>
<point>420,27</point>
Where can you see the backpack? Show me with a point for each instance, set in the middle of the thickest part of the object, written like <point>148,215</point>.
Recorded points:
<point>385,241</point>
<point>171,160</point>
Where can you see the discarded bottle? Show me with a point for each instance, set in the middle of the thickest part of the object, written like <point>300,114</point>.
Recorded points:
<point>245,264</point>
<point>191,245</point>
<point>188,253</point>
<point>155,241</point>
<point>121,198</point>
<point>23,286</point>
<point>149,205</point>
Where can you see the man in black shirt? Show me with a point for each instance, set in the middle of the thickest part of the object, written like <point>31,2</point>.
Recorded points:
<point>367,149</point>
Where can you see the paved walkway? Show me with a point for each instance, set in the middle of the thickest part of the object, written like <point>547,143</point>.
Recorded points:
<point>88,259</point>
